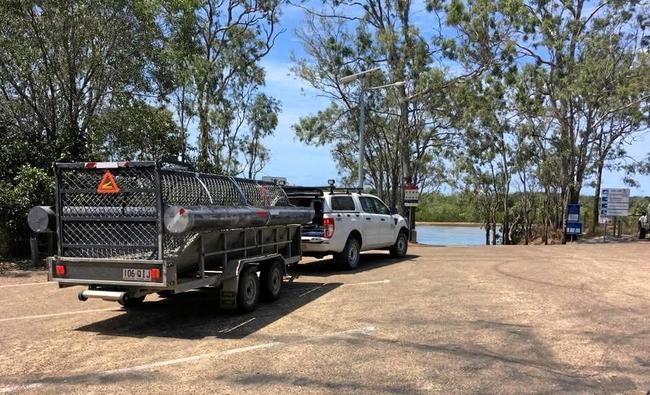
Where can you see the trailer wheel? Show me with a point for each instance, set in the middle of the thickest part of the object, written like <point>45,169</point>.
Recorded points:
<point>131,302</point>
<point>271,278</point>
<point>166,294</point>
<point>350,256</point>
<point>248,292</point>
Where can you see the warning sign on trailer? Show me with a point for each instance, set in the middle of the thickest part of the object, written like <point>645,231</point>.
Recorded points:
<point>614,202</point>
<point>108,184</point>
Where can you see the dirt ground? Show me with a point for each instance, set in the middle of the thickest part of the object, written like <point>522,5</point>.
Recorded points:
<point>537,319</point>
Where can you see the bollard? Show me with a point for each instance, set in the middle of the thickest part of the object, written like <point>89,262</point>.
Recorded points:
<point>33,249</point>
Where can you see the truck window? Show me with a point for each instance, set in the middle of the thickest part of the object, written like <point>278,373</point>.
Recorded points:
<point>342,203</point>
<point>380,207</point>
<point>367,204</point>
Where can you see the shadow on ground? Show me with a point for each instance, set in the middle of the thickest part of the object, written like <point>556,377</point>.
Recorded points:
<point>196,315</point>
<point>327,267</point>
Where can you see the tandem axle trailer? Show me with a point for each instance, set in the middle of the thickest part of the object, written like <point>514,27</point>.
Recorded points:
<point>128,229</point>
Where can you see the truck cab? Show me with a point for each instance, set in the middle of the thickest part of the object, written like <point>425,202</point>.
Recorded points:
<point>347,222</point>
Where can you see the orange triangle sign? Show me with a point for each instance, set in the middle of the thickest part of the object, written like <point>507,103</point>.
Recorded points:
<point>108,184</point>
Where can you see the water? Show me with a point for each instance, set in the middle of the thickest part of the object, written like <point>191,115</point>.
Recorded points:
<point>450,235</point>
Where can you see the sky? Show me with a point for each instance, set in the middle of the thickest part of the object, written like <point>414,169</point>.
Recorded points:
<point>307,165</point>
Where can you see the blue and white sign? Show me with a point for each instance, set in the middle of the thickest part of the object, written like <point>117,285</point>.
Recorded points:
<point>614,202</point>
<point>574,228</point>
<point>573,213</point>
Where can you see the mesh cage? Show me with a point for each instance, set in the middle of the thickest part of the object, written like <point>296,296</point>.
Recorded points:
<point>109,225</point>
<point>127,224</point>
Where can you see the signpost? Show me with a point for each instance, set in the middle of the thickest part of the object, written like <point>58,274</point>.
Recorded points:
<point>614,202</point>
<point>411,200</point>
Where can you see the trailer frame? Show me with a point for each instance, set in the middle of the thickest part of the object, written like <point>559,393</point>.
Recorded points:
<point>206,258</point>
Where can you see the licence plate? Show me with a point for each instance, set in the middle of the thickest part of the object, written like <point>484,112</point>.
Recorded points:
<point>136,274</point>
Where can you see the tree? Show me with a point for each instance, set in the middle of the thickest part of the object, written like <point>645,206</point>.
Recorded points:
<point>403,132</point>
<point>219,45</point>
<point>63,63</point>
<point>263,119</point>
<point>556,42</point>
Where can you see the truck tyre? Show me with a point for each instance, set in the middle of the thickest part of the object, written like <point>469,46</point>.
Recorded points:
<point>130,302</point>
<point>248,291</point>
<point>398,250</point>
<point>349,257</point>
<point>271,281</point>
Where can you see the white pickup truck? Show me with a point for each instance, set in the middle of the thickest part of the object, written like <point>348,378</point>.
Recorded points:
<point>347,223</point>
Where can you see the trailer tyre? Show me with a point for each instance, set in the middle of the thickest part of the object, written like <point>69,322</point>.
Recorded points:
<point>271,281</point>
<point>398,250</point>
<point>248,292</point>
<point>350,255</point>
<point>129,302</point>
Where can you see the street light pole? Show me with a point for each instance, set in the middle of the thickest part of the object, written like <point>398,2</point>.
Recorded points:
<point>362,131</point>
<point>362,118</point>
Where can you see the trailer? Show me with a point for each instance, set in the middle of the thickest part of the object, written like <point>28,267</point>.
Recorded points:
<point>128,229</point>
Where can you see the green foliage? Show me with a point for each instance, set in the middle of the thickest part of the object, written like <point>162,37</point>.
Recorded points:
<point>30,187</point>
<point>136,132</point>
<point>435,207</point>
<point>124,79</point>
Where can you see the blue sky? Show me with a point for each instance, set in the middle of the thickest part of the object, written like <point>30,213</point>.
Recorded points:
<point>307,165</point>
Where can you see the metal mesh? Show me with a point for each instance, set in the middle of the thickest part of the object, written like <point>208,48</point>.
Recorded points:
<point>126,224</point>
<point>263,194</point>
<point>121,225</point>
<point>175,243</point>
<point>196,189</point>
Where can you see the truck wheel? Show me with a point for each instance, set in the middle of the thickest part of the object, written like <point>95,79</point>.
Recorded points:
<point>398,250</point>
<point>350,255</point>
<point>271,281</point>
<point>248,292</point>
<point>129,302</point>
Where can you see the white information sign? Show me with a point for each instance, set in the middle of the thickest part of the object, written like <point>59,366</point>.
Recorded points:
<point>411,197</point>
<point>614,202</point>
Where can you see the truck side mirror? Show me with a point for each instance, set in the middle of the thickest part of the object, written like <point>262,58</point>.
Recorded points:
<point>393,210</point>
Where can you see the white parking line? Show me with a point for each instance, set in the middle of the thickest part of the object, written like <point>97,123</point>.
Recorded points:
<point>236,326</point>
<point>367,283</point>
<point>366,331</point>
<point>30,317</point>
<point>20,387</point>
<point>312,290</point>
<point>24,284</point>
<point>189,359</point>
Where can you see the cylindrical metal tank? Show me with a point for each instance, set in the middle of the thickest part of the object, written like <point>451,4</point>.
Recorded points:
<point>184,219</point>
<point>41,219</point>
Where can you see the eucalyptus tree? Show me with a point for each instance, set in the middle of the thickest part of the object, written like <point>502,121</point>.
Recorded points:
<point>62,63</point>
<point>215,47</point>
<point>402,133</point>
<point>554,39</point>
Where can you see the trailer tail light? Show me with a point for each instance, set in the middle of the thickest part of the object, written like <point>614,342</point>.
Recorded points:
<point>59,270</point>
<point>328,227</point>
<point>155,274</point>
